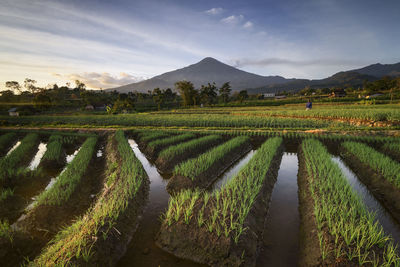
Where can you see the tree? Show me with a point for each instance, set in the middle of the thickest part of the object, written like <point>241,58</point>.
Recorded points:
<point>208,93</point>
<point>187,91</point>
<point>79,85</point>
<point>158,97</point>
<point>224,92</point>
<point>243,95</point>
<point>14,86</point>
<point>29,84</point>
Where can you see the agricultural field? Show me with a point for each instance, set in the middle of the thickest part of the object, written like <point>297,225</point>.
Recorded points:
<point>249,186</point>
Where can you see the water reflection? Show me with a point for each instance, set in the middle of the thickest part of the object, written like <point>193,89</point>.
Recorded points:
<point>36,160</point>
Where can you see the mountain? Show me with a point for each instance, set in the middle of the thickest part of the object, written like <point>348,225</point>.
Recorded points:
<point>379,70</point>
<point>206,71</point>
<point>354,78</point>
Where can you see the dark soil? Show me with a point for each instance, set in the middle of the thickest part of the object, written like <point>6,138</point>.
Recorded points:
<point>197,244</point>
<point>310,254</point>
<point>43,222</point>
<point>167,165</point>
<point>381,188</point>
<point>207,178</point>
<point>108,251</point>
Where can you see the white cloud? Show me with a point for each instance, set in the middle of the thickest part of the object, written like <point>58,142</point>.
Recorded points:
<point>233,19</point>
<point>248,25</point>
<point>96,80</point>
<point>214,11</point>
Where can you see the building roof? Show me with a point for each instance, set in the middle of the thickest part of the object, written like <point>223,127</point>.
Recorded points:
<point>12,110</point>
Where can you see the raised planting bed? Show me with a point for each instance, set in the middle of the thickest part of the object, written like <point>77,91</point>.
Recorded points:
<point>224,228</point>
<point>17,158</point>
<point>173,155</point>
<point>392,149</point>
<point>336,228</point>
<point>144,137</point>
<point>377,171</point>
<point>64,198</point>
<point>100,237</point>
<point>202,171</point>
<point>6,141</point>
<point>54,155</point>
<point>156,146</point>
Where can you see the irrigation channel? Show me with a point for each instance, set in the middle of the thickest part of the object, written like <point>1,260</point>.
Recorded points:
<point>281,230</point>
<point>142,250</point>
<point>390,226</point>
<point>36,159</point>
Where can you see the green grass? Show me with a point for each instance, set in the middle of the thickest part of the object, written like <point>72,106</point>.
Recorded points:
<point>10,163</point>
<point>54,149</point>
<point>179,149</point>
<point>194,167</point>
<point>77,242</point>
<point>160,143</point>
<point>148,136</point>
<point>225,212</point>
<point>340,213</point>
<point>69,179</point>
<point>379,162</point>
<point>5,140</point>
<point>393,146</point>
<point>5,230</point>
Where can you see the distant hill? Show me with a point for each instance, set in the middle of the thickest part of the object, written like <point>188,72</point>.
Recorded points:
<point>354,78</point>
<point>211,70</point>
<point>206,71</point>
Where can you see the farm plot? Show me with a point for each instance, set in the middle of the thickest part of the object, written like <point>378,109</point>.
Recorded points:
<point>336,228</point>
<point>101,235</point>
<point>155,146</point>
<point>378,171</point>
<point>6,142</point>
<point>172,155</point>
<point>224,227</point>
<point>202,171</point>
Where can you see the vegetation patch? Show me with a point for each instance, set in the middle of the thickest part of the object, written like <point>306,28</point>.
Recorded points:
<point>347,233</point>
<point>172,155</point>
<point>205,169</point>
<point>6,140</point>
<point>377,171</point>
<point>224,228</point>
<point>100,236</point>
<point>156,146</point>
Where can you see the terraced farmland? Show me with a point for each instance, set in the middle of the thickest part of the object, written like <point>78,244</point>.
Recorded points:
<point>190,198</point>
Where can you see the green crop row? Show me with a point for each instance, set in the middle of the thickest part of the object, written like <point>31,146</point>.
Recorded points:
<point>339,212</point>
<point>379,162</point>
<point>148,136</point>
<point>224,212</point>
<point>194,167</point>
<point>10,163</point>
<point>76,243</point>
<point>6,140</point>
<point>69,179</point>
<point>54,149</point>
<point>179,149</point>
<point>159,143</point>
<point>395,147</point>
<point>167,120</point>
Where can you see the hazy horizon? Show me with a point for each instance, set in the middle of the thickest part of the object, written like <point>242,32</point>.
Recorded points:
<point>108,44</point>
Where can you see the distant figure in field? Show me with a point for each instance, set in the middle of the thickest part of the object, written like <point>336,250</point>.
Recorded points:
<point>309,105</point>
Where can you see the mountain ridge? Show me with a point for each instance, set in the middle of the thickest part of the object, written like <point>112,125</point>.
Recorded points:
<point>210,70</point>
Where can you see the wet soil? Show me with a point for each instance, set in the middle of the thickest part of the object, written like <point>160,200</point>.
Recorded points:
<point>381,188</point>
<point>191,242</point>
<point>142,251</point>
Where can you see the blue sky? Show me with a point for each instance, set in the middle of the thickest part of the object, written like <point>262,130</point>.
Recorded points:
<point>111,43</point>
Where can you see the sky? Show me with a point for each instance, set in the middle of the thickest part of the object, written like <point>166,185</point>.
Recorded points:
<point>106,44</point>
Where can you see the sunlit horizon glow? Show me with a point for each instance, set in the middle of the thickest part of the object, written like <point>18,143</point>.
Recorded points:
<point>106,44</point>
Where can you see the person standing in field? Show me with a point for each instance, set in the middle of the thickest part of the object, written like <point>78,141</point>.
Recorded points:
<point>309,105</point>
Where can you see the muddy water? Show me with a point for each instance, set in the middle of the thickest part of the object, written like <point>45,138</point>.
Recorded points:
<point>36,159</point>
<point>232,171</point>
<point>281,232</point>
<point>142,250</point>
<point>373,205</point>
<point>13,148</point>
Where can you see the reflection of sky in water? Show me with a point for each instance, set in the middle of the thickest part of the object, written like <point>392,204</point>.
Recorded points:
<point>36,160</point>
<point>372,204</point>
<point>233,170</point>
<point>14,147</point>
